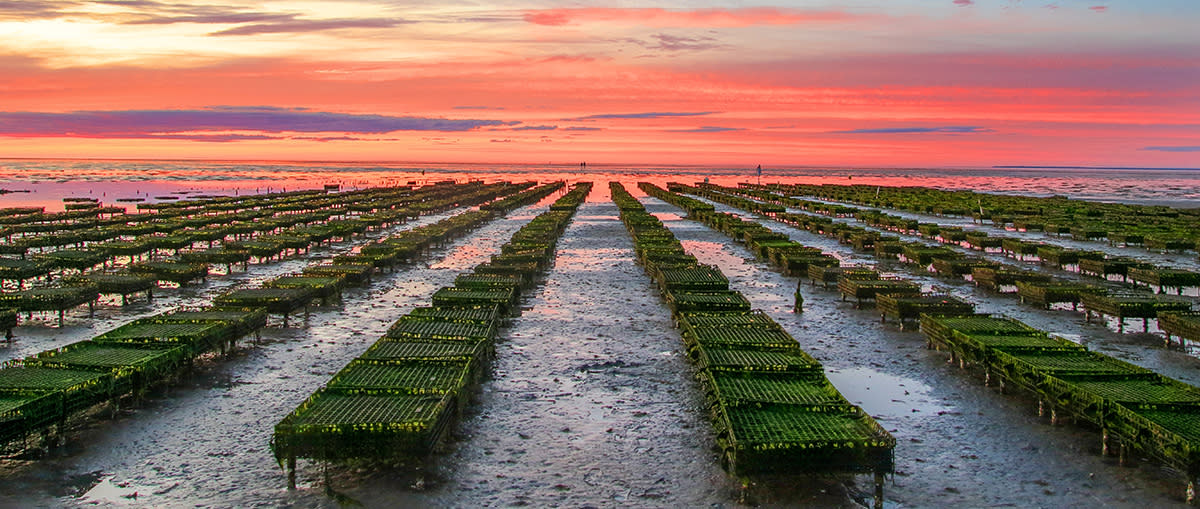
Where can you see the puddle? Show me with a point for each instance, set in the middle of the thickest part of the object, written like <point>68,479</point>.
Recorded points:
<point>884,395</point>
<point>667,216</point>
<point>716,253</point>
<point>111,492</point>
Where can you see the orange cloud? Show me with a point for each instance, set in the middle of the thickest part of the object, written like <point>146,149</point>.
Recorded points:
<point>871,114</point>
<point>701,18</point>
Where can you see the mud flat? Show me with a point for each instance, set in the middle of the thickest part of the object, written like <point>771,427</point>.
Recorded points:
<point>591,403</point>
<point>206,442</point>
<point>958,443</point>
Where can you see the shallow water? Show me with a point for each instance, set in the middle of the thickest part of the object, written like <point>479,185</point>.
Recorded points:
<point>49,180</point>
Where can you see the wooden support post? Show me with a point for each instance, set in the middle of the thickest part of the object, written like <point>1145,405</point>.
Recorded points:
<point>1190,495</point>
<point>1041,408</point>
<point>1105,443</point>
<point>879,490</point>
<point>1123,454</point>
<point>291,471</point>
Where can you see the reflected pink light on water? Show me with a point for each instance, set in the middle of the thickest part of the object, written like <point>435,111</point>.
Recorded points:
<point>50,181</point>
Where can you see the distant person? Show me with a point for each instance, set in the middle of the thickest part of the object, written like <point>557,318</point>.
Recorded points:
<point>798,307</point>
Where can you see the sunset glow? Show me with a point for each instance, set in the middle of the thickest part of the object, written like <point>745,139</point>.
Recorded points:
<point>897,83</point>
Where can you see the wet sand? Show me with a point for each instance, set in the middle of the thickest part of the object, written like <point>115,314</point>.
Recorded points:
<point>958,443</point>
<point>591,402</point>
<point>206,442</point>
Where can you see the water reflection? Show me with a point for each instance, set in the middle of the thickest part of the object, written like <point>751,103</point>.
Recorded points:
<point>48,180</point>
<point>884,395</point>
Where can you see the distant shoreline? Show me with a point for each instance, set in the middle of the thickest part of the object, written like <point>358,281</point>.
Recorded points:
<point>1025,167</point>
<point>772,168</point>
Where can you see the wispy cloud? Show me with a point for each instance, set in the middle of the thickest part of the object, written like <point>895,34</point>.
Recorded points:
<point>479,107</point>
<point>1099,8</point>
<point>209,138</point>
<point>1174,148</point>
<point>308,25</point>
<point>213,124</point>
<point>651,114</point>
<point>212,16</point>
<point>580,129</point>
<point>711,18</point>
<point>963,3</point>
<point>533,128</point>
<point>130,3</point>
<point>707,129</point>
<point>668,42</point>
<point>27,9</point>
<point>954,129</point>
<point>327,138</point>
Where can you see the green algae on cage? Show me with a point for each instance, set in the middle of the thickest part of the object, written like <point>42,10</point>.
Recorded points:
<point>907,307</point>
<point>778,438</point>
<point>175,272</point>
<point>701,278</point>
<point>1184,324</point>
<point>482,315</point>
<point>435,351</point>
<point>1045,294</point>
<point>402,377</point>
<point>793,360</point>
<point>681,301</point>
<point>406,327</point>
<point>274,300</point>
<point>739,389</point>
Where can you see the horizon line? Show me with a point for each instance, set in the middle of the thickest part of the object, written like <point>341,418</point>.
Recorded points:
<point>749,167</point>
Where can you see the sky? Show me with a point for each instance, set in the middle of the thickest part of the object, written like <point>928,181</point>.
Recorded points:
<point>884,83</point>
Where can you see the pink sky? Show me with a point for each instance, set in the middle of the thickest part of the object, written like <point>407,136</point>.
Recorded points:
<point>898,83</point>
